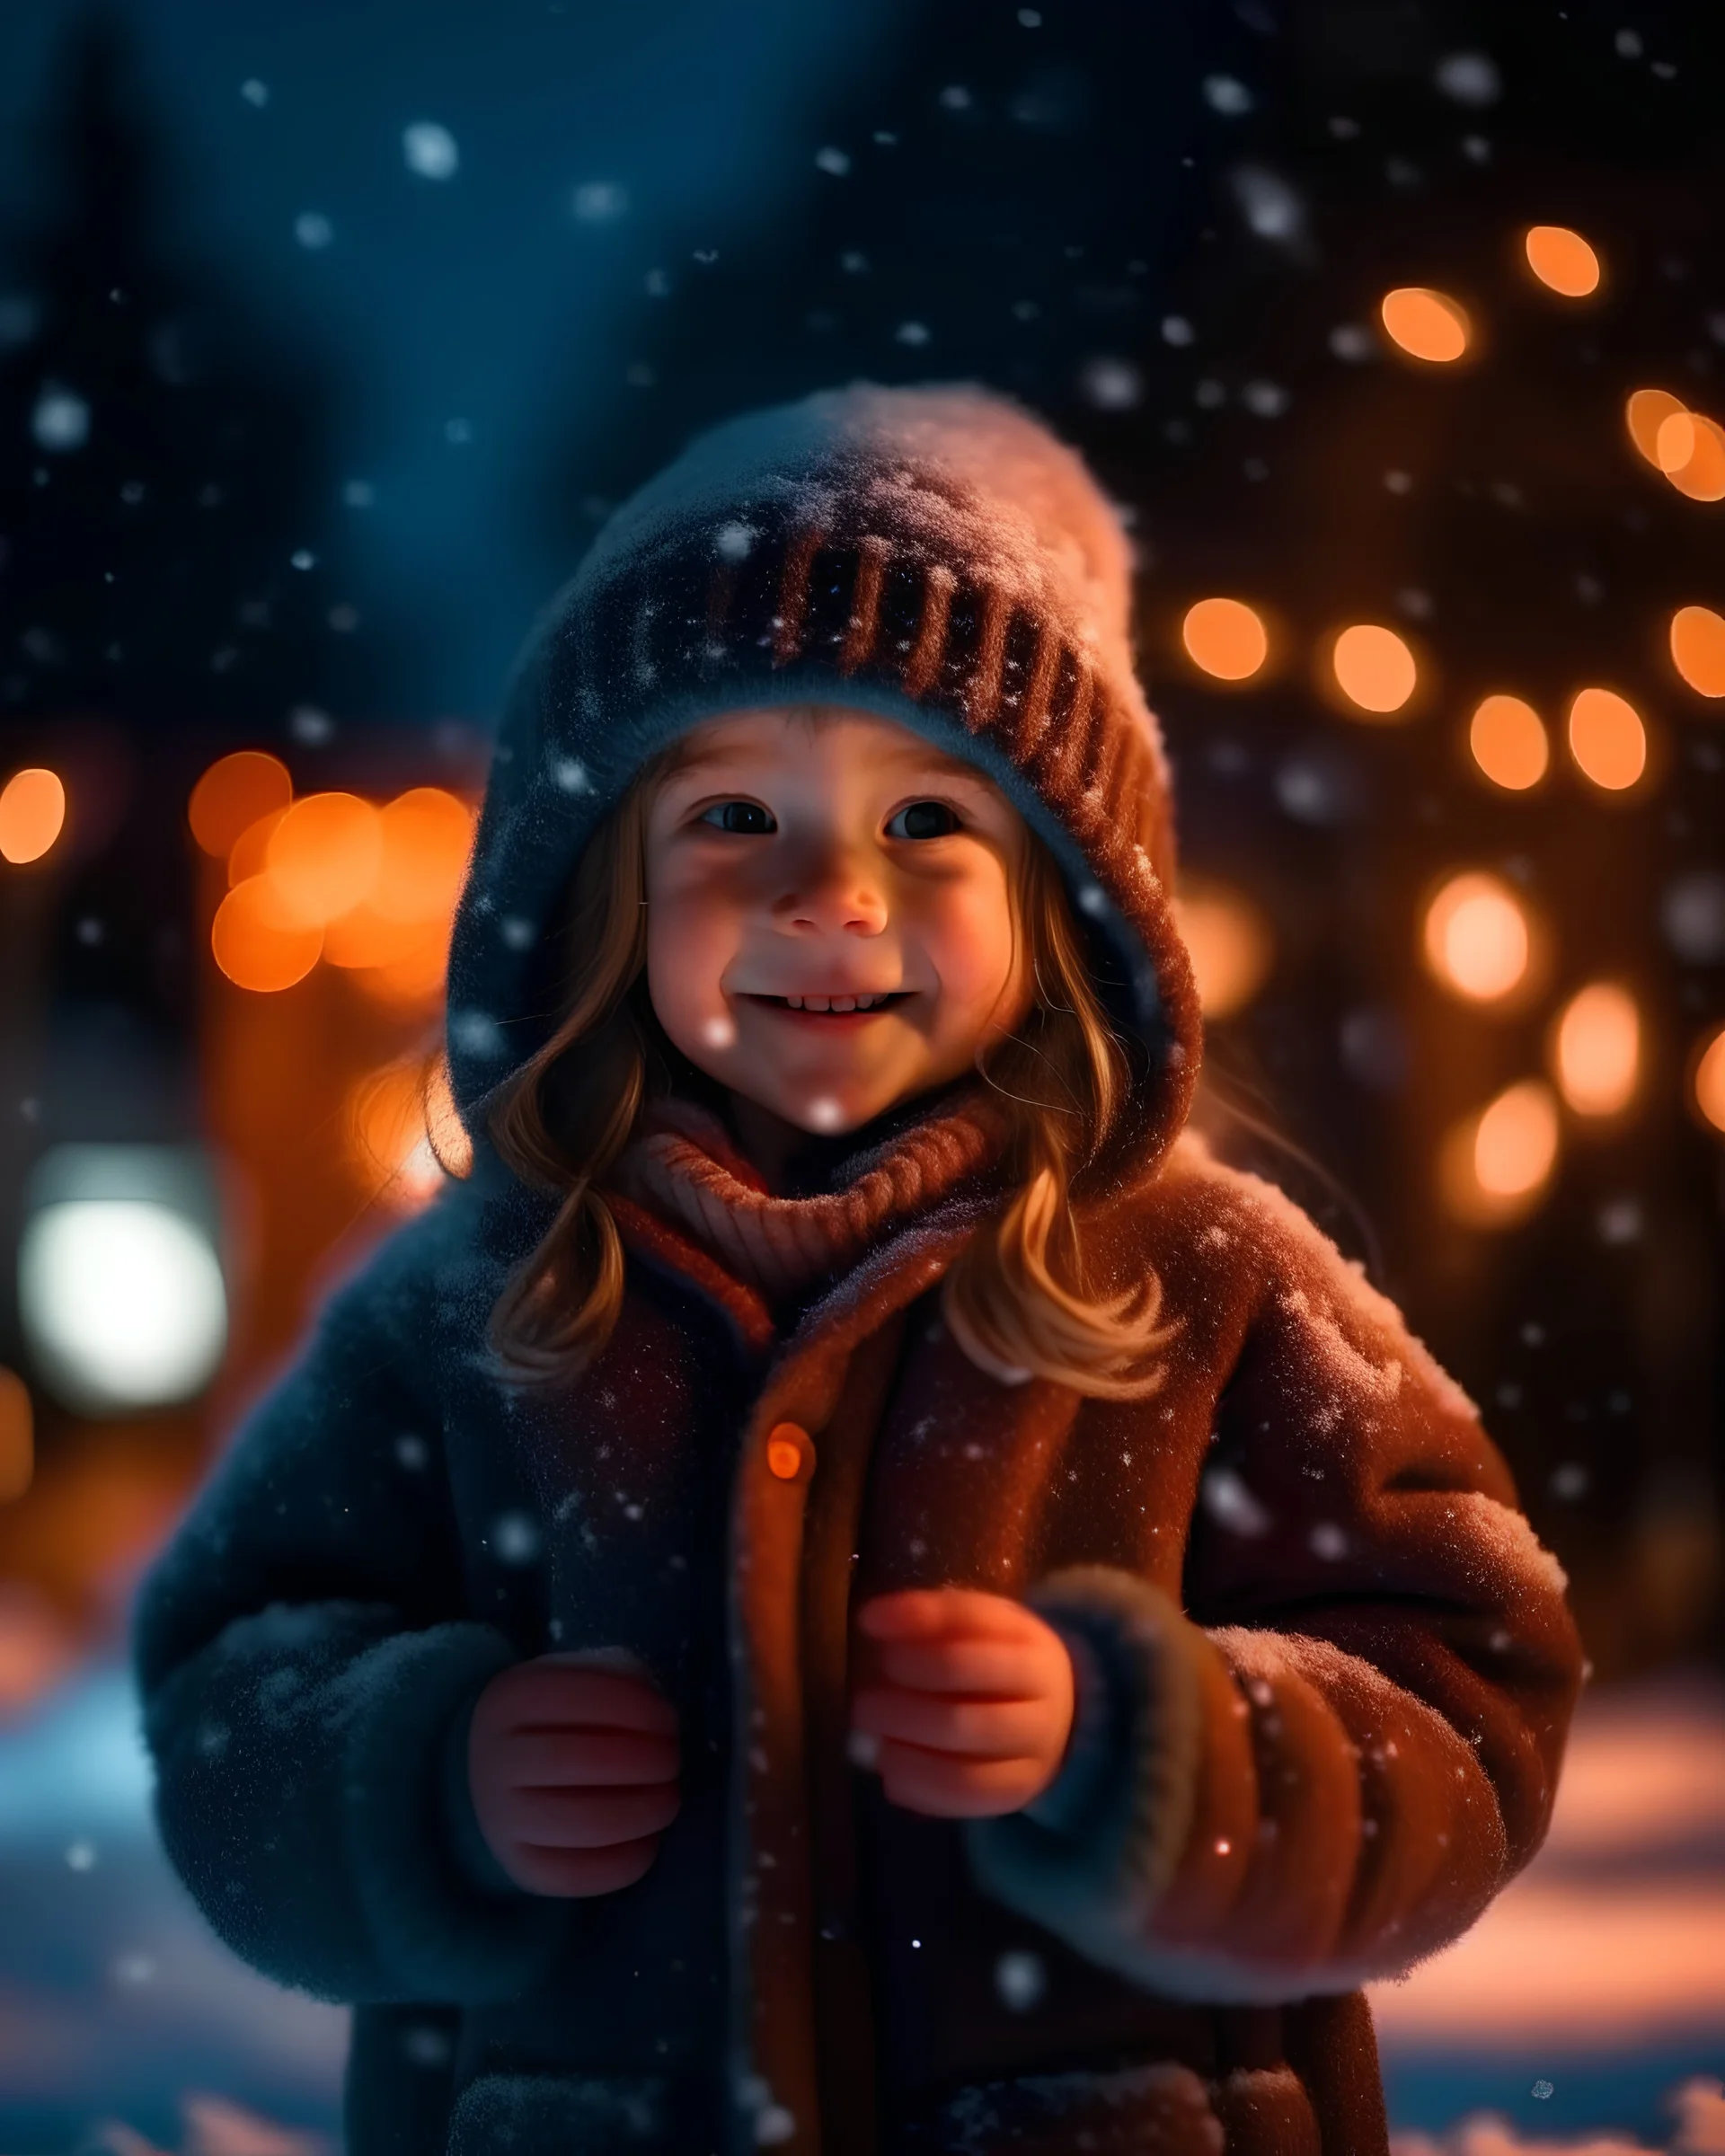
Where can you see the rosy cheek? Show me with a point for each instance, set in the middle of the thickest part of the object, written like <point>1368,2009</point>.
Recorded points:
<point>968,939</point>
<point>690,940</point>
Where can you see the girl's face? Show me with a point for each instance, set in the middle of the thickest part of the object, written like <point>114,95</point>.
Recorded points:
<point>829,928</point>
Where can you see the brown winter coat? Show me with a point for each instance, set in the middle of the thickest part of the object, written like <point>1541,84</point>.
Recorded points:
<point>1354,1662</point>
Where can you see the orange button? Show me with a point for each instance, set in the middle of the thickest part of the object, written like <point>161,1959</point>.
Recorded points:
<point>787,1442</point>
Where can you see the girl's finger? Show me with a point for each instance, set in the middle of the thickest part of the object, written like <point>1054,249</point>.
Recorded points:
<point>590,1819</point>
<point>590,1758</point>
<point>574,1872</point>
<point>967,1729</point>
<point>946,1788</point>
<point>991,1668</point>
<point>546,1693</point>
<point>918,1611</point>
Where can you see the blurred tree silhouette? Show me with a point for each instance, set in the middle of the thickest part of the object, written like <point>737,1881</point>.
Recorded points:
<point>161,463</point>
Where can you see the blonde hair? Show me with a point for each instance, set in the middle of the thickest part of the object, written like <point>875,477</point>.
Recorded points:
<point>1019,1298</point>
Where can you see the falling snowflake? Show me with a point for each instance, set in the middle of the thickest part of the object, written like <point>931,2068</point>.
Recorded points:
<point>313,229</point>
<point>1227,93</point>
<point>1471,78</point>
<point>516,1538</point>
<point>599,201</point>
<point>1020,1979</point>
<point>1232,1505</point>
<point>832,160</point>
<point>430,150</point>
<point>1111,384</point>
<point>1269,204</point>
<point>61,419</point>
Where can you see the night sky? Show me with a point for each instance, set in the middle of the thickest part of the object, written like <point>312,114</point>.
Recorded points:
<point>460,318</point>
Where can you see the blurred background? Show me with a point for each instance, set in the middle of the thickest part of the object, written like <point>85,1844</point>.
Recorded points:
<point>1396,328</point>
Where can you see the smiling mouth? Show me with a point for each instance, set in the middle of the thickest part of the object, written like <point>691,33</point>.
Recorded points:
<point>833,1006</point>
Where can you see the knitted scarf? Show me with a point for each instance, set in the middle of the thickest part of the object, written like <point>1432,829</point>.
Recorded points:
<point>683,1165</point>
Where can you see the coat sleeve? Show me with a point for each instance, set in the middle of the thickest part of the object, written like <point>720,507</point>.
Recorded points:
<point>307,1668</point>
<point>1325,1761</point>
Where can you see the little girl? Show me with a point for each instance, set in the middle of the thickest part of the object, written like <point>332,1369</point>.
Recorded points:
<point>851,1588</point>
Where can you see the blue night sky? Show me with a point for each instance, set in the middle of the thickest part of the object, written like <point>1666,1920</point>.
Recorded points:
<point>459,317</point>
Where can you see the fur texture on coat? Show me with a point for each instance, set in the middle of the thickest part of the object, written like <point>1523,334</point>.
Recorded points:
<point>1324,1668</point>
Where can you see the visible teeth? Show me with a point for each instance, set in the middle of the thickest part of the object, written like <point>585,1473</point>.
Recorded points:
<point>834,1002</point>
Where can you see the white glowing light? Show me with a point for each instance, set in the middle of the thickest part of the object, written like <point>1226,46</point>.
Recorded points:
<point>313,229</point>
<point>122,1303</point>
<point>719,1032</point>
<point>825,1115</point>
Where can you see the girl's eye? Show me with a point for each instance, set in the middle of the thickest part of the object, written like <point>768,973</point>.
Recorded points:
<point>923,819</point>
<point>747,816</point>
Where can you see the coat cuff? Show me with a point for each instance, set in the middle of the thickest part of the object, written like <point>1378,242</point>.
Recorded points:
<point>428,1885</point>
<point>1091,1856</point>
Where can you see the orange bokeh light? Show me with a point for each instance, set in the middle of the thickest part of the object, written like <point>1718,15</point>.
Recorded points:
<point>232,794</point>
<point>1596,1049</point>
<point>1562,259</point>
<point>414,976</point>
<point>1607,740</point>
<point>258,943</point>
<point>1230,943</point>
<point>1690,450</point>
<point>1428,324</point>
<point>1708,1083</point>
<point>1698,648</point>
<point>247,857</point>
<point>33,815</point>
<point>1647,411</point>
<point>364,936</point>
<point>324,856</point>
<point>1374,668</point>
<point>1226,638</point>
<point>426,835</point>
<point>1508,744</point>
<point>1515,1145</point>
<point>1476,938</point>
<point>1493,1166</point>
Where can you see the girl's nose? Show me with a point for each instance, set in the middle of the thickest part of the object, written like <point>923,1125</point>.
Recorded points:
<point>832,894</point>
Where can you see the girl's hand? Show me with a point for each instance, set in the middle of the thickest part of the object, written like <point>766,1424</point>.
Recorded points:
<point>967,1701</point>
<point>573,1770</point>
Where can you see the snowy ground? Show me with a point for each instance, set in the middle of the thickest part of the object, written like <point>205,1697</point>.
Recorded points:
<point>1584,2014</point>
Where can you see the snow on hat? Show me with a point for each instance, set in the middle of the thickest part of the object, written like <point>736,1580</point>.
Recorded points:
<point>933,555</point>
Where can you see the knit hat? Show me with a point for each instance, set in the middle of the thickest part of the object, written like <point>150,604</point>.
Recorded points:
<point>931,555</point>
